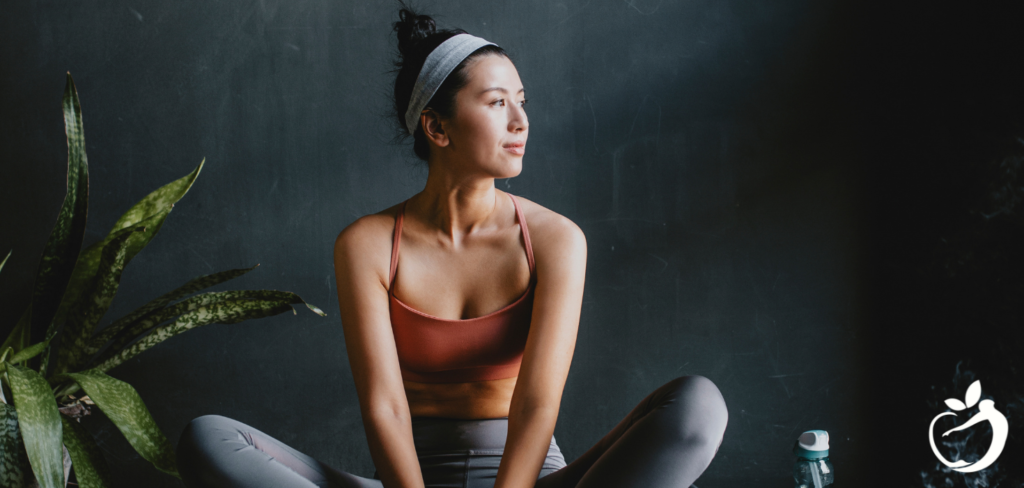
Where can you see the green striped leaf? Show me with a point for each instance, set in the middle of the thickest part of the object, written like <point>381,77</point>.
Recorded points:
<point>84,276</point>
<point>163,198</point>
<point>19,338</point>
<point>193,303</point>
<point>229,311</point>
<point>153,209</point>
<point>29,352</point>
<point>2,263</point>
<point>81,323</point>
<point>65,242</point>
<point>40,425</point>
<point>123,406</point>
<point>194,285</point>
<point>14,467</point>
<point>156,318</point>
<point>91,470</point>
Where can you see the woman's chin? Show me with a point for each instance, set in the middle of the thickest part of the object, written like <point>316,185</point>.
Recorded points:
<point>512,172</point>
<point>507,167</point>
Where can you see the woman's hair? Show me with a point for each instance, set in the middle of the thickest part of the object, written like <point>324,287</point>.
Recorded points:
<point>417,37</point>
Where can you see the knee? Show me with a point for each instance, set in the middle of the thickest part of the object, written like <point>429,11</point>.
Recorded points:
<point>195,447</point>
<point>205,423</point>
<point>703,412</point>
<point>193,435</point>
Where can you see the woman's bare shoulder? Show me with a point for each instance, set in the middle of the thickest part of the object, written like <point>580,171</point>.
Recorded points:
<point>550,230</point>
<point>368,237</point>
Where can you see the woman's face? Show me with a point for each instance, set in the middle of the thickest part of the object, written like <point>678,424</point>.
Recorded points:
<point>487,133</point>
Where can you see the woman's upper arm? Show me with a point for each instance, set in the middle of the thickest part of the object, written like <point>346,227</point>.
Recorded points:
<point>365,318</point>
<point>561,259</point>
<point>560,250</point>
<point>359,255</point>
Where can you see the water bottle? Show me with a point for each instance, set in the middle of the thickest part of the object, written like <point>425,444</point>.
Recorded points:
<point>812,468</point>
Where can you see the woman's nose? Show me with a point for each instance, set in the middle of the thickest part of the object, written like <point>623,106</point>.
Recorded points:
<point>518,120</point>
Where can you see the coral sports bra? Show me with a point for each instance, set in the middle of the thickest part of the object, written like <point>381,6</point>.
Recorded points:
<point>436,350</point>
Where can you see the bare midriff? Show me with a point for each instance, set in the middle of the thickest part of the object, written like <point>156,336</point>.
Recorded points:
<point>474,400</point>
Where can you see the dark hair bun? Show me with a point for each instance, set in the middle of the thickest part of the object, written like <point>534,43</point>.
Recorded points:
<point>417,38</point>
<point>412,28</point>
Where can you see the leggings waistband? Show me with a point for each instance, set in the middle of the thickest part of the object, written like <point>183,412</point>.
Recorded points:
<point>442,434</point>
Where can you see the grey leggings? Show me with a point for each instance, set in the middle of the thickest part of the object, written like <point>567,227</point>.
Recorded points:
<point>667,440</point>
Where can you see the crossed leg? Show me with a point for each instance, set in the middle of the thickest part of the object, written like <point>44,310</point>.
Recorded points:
<point>667,440</point>
<point>217,451</point>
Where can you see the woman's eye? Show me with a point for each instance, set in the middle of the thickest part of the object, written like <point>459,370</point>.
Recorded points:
<point>501,101</point>
<point>523,103</point>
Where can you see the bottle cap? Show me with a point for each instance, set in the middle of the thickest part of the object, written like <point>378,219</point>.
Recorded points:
<point>812,444</point>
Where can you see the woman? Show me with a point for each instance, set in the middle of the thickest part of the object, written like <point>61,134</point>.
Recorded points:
<point>460,358</point>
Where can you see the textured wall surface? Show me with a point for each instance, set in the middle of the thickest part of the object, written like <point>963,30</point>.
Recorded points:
<point>759,183</point>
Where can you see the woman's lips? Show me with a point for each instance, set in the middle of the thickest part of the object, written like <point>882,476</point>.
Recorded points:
<point>518,148</point>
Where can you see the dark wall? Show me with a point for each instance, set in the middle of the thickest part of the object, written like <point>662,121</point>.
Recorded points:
<point>752,207</point>
<point>943,125</point>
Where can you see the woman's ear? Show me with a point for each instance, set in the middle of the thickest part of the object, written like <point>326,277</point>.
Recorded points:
<point>433,128</point>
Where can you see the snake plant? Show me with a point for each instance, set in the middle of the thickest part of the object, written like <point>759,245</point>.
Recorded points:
<point>47,385</point>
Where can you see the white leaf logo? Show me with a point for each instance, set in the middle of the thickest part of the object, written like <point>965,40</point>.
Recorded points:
<point>973,393</point>
<point>986,413</point>
<point>956,404</point>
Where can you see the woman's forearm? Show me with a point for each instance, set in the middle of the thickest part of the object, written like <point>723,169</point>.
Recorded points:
<point>389,435</point>
<point>526,446</point>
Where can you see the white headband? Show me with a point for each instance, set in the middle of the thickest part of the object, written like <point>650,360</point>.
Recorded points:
<point>438,65</point>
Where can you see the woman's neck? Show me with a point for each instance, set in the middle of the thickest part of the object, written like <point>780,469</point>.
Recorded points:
<point>455,207</point>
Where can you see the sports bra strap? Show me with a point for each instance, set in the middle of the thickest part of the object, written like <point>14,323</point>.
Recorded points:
<point>396,240</point>
<point>526,234</point>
